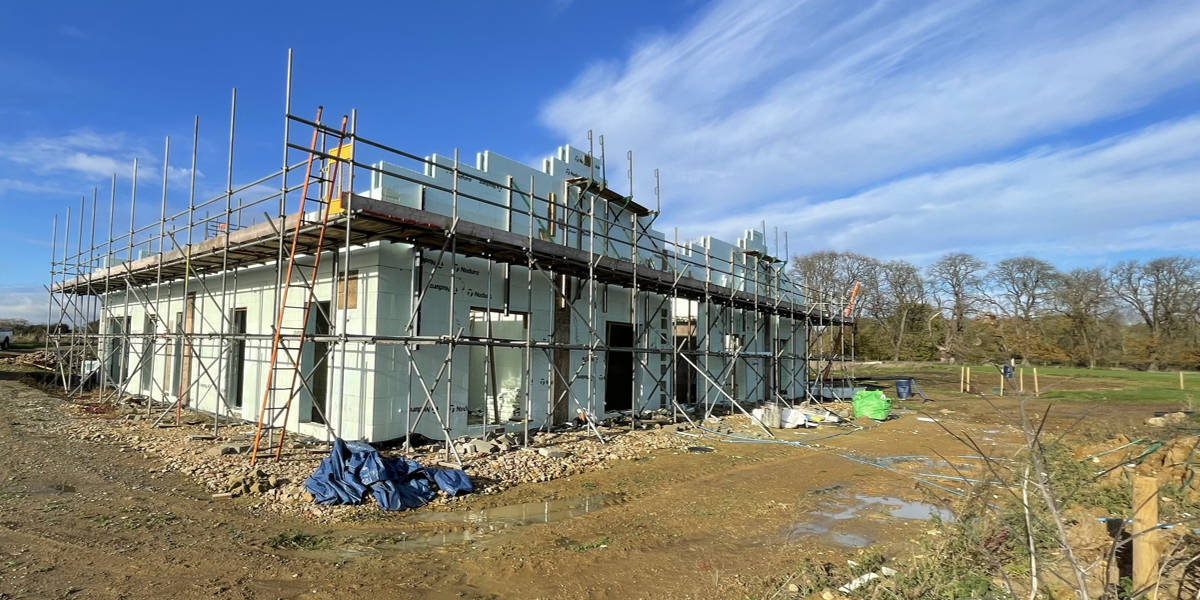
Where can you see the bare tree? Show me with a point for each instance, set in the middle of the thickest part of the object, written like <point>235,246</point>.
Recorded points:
<point>956,279</point>
<point>901,294</point>
<point>1083,297</point>
<point>832,274</point>
<point>1020,290</point>
<point>1164,293</point>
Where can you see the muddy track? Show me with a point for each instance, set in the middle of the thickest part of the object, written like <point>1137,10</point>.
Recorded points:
<point>85,519</point>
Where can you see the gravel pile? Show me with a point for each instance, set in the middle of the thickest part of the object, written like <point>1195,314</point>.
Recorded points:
<point>222,463</point>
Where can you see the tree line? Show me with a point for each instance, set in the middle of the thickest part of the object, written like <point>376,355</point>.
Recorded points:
<point>1136,314</point>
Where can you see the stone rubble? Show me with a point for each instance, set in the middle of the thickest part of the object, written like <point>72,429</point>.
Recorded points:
<point>221,462</point>
<point>43,359</point>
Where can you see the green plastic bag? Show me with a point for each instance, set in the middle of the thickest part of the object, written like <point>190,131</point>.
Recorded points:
<point>871,404</point>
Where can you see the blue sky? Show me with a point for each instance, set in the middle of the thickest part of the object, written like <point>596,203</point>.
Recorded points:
<point>898,129</point>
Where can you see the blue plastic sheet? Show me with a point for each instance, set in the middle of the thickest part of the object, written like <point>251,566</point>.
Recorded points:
<point>353,468</point>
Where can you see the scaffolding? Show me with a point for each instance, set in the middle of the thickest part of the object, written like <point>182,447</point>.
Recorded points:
<point>706,331</point>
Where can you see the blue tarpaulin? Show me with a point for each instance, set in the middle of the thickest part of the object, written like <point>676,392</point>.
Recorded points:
<point>354,468</point>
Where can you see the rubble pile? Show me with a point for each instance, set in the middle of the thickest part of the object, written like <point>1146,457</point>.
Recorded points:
<point>503,463</point>
<point>42,359</point>
<point>221,463</point>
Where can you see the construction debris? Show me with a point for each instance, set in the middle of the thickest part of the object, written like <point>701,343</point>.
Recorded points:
<point>42,359</point>
<point>219,462</point>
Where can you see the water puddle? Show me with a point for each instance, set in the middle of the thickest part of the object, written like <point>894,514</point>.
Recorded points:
<point>471,526</point>
<point>849,519</point>
<point>927,462</point>
<point>503,517</point>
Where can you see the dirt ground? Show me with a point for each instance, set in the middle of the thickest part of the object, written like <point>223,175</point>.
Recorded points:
<point>93,519</point>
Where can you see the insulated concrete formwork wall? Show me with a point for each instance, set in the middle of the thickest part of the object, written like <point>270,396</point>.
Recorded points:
<point>205,358</point>
<point>490,179</point>
<point>650,330</point>
<point>563,222</point>
<point>403,389</point>
<point>755,374</point>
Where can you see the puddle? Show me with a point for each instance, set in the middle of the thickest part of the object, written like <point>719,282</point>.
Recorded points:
<point>923,461</point>
<point>472,526</point>
<point>905,509</point>
<point>699,449</point>
<point>919,460</point>
<point>850,540</point>
<point>503,517</point>
<point>847,511</point>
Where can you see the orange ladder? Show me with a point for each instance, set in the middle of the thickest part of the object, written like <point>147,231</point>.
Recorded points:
<point>287,341</point>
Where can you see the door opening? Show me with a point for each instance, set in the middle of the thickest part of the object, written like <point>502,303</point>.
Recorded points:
<point>317,369</point>
<point>618,372</point>
<point>118,351</point>
<point>146,361</point>
<point>497,372</point>
<point>237,359</point>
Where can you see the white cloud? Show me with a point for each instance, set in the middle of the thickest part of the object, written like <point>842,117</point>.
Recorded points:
<point>17,185</point>
<point>89,154</point>
<point>25,302</point>
<point>1138,192</point>
<point>796,104</point>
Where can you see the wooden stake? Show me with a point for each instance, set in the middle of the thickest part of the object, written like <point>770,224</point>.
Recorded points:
<point>1036,391</point>
<point>1001,384</point>
<point>1145,521</point>
<point>1022,381</point>
<point>968,379</point>
<point>962,374</point>
<point>1181,380</point>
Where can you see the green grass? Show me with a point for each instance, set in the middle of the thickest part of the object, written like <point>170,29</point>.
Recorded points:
<point>1056,383</point>
<point>1128,395</point>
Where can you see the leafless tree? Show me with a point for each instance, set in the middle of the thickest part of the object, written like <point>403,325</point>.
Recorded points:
<point>1020,291</point>
<point>1084,298</point>
<point>833,274</point>
<point>1165,295</point>
<point>956,279</point>
<point>901,293</point>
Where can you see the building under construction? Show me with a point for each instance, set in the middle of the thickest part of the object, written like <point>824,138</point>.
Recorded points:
<point>364,292</point>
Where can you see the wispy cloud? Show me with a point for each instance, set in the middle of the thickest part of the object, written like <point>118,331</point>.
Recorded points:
<point>1137,192</point>
<point>26,302</point>
<point>16,185</point>
<point>72,31</point>
<point>86,153</point>
<point>794,105</point>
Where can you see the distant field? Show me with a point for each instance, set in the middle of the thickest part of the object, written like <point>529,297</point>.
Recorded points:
<point>1056,383</point>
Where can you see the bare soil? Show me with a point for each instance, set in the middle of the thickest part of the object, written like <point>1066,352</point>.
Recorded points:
<point>92,519</point>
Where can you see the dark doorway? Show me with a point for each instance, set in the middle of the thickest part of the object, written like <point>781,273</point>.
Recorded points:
<point>118,351</point>
<point>177,362</point>
<point>147,358</point>
<point>685,375</point>
<point>237,358</point>
<point>318,324</point>
<point>618,372</point>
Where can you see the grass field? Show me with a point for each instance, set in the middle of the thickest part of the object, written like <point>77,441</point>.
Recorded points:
<point>1055,383</point>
